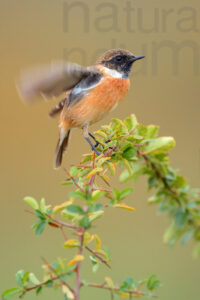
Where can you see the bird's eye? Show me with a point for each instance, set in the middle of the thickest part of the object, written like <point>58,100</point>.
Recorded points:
<point>118,58</point>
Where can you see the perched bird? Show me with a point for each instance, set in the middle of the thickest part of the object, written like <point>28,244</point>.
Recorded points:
<point>91,92</point>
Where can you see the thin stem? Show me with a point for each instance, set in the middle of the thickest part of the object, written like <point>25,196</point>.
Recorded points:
<point>83,166</point>
<point>64,224</point>
<point>160,176</point>
<point>41,284</point>
<point>98,256</point>
<point>75,182</point>
<point>55,221</point>
<point>78,267</point>
<point>103,190</point>
<point>59,277</point>
<point>105,287</point>
<point>91,182</point>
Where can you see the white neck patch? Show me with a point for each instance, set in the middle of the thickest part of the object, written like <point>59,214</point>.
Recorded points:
<point>113,73</point>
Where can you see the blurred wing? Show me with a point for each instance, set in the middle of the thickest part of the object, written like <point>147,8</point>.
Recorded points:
<point>51,80</point>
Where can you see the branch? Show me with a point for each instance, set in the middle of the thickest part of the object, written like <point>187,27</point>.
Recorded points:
<point>98,256</point>
<point>41,284</point>
<point>60,223</point>
<point>78,267</point>
<point>105,287</point>
<point>91,181</point>
<point>160,176</point>
<point>74,181</point>
<point>53,270</point>
<point>103,190</point>
<point>63,224</point>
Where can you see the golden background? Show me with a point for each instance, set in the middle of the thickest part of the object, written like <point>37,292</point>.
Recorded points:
<point>33,32</point>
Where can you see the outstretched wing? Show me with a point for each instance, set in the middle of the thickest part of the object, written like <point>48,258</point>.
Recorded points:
<point>51,80</point>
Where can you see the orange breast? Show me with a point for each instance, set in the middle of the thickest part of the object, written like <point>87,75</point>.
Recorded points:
<point>100,100</point>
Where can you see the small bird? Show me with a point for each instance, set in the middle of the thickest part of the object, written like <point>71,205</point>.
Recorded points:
<point>90,92</point>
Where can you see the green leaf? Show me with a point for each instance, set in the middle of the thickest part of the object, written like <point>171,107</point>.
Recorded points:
<point>19,277</point>
<point>10,292</point>
<point>42,205</point>
<point>40,228</point>
<point>127,284</point>
<point>39,214</point>
<point>95,215</point>
<point>187,236</point>
<point>67,182</point>
<point>95,268</point>
<point>31,202</point>
<point>33,278</point>
<point>25,278</point>
<point>137,170</point>
<point>93,260</point>
<point>129,153</point>
<point>39,290</point>
<point>65,297</point>
<point>125,193</point>
<point>160,145</point>
<point>180,218</point>
<point>148,132</point>
<point>75,209</point>
<point>107,251</point>
<point>102,134</point>
<point>49,283</point>
<point>97,194</point>
<point>77,194</point>
<point>95,263</point>
<point>153,282</point>
<point>171,235</point>
<point>73,171</point>
<point>152,132</point>
<point>85,222</point>
<point>131,122</point>
<point>98,206</point>
<point>116,194</point>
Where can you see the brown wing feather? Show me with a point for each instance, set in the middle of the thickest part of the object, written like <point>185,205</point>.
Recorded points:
<point>58,108</point>
<point>50,81</point>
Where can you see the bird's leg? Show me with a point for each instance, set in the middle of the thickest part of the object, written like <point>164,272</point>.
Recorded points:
<point>96,141</point>
<point>93,137</point>
<point>86,136</point>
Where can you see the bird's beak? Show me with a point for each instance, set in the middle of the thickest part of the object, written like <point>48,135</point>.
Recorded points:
<point>134,58</point>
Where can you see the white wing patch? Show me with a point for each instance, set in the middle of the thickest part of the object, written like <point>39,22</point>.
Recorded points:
<point>77,90</point>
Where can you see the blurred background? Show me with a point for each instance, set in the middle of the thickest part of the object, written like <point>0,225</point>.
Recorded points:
<point>165,91</point>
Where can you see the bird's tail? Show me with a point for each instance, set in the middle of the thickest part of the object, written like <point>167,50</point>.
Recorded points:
<point>61,147</point>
